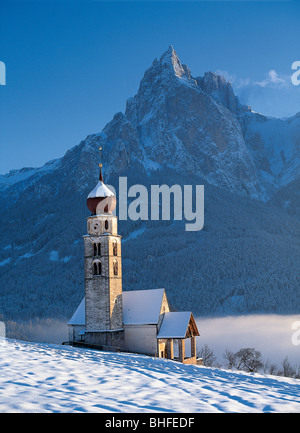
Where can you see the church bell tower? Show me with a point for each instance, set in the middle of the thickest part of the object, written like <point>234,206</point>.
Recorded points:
<point>103,269</point>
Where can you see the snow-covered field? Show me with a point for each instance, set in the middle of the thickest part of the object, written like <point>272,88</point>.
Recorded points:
<point>37,377</point>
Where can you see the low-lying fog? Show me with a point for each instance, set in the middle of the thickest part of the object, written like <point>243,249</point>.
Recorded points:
<point>272,335</point>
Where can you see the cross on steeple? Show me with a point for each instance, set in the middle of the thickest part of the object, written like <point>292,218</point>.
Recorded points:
<point>100,165</point>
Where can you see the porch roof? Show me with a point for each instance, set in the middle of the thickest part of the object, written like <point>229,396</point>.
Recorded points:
<point>177,325</point>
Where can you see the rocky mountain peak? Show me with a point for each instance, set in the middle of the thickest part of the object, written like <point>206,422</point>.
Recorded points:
<point>168,72</point>
<point>170,60</point>
<point>168,69</point>
<point>176,122</point>
<point>221,90</point>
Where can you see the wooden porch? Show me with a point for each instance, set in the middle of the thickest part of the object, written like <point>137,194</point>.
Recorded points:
<point>166,340</point>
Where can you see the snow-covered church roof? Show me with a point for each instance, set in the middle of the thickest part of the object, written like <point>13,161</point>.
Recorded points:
<point>100,190</point>
<point>78,317</point>
<point>142,307</point>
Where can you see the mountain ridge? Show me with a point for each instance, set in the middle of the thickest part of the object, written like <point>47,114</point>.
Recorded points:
<point>201,136</point>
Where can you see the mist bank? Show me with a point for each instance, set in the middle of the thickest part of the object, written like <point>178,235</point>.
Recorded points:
<point>39,330</point>
<point>272,335</point>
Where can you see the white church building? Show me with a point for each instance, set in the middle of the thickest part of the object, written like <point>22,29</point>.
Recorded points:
<point>109,318</point>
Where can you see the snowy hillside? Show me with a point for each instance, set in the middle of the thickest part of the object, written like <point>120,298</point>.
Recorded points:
<point>49,378</point>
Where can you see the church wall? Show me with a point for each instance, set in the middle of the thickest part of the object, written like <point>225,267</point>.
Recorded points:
<point>74,332</point>
<point>111,340</point>
<point>97,307</point>
<point>103,293</point>
<point>164,305</point>
<point>141,339</point>
<point>162,345</point>
<point>116,307</point>
<point>112,221</point>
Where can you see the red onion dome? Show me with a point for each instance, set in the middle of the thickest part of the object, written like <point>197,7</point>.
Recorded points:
<point>101,200</point>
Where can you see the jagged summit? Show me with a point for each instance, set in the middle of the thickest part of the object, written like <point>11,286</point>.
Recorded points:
<point>177,121</point>
<point>171,60</point>
<point>169,54</point>
<point>167,58</point>
<point>197,123</point>
<point>167,68</point>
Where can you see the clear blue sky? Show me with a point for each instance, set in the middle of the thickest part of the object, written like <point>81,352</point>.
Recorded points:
<point>72,64</point>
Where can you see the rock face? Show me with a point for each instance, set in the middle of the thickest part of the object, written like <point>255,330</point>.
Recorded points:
<point>198,125</point>
<point>176,121</point>
<point>176,129</point>
<point>274,145</point>
<point>221,90</point>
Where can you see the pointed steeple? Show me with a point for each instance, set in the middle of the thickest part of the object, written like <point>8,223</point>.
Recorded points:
<point>100,175</point>
<point>100,165</point>
<point>101,199</point>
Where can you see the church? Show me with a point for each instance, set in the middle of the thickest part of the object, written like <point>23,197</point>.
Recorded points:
<point>138,321</point>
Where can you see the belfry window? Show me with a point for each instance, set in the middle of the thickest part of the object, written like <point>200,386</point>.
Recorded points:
<point>115,266</point>
<point>115,248</point>
<point>106,224</point>
<point>97,249</point>
<point>97,268</point>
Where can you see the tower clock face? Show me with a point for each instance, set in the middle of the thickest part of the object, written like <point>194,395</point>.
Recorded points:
<point>95,227</point>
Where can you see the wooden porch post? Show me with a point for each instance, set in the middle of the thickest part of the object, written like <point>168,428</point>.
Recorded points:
<point>170,350</point>
<point>181,349</point>
<point>193,347</point>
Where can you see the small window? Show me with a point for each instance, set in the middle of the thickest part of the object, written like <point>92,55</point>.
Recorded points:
<point>115,265</point>
<point>97,249</point>
<point>97,268</point>
<point>115,248</point>
<point>106,225</point>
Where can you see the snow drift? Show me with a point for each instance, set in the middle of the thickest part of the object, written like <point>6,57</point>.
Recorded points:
<point>50,378</point>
